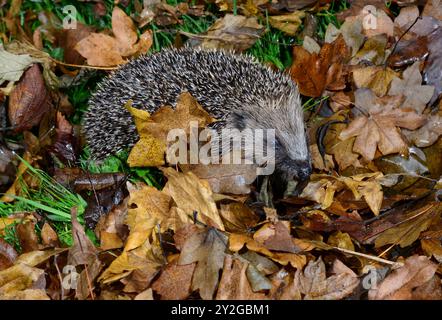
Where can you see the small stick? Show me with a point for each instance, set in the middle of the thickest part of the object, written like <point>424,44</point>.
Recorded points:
<point>391,263</point>
<point>82,66</point>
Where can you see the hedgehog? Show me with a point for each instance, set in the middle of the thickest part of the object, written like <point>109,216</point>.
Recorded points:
<point>235,89</point>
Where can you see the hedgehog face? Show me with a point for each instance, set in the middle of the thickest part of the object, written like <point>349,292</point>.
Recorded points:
<point>285,115</point>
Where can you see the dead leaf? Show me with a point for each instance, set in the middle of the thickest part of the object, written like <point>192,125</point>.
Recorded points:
<point>288,23</point>
<point>124,31</point>
<point>83,250</point>
<point>154,129</point>
<point>7,255</point>
<point>315,72</point>
<point>316,286</point>
<point>28,101</point>
<point>238,217</point>
<point>27,236</point>
<point>417,95</point>
<point>377,128</point>
<point>22,282</point>
<point>408,231</point>
<point>231,32</point>
<point>99,50</point>
<point>174,282</point>
<point>13,66</point>
<point>402,282</point>
<point>276,237</point>
<point>193,195</point>
<point>207,248</point>
<point>49,237</point>
<point>234,284</point>
<point>376,78</point>
<point>426,135</point>
<point>232,178</point>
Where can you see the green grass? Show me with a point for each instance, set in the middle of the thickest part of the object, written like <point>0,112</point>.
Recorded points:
<point>50,198</point>
<point>325,17</point>
<point>274,47</point>
<point>118,163</point>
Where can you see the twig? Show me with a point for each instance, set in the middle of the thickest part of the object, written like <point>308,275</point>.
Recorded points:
<point>82,66</point>
<point>59,277</point>
<point>384,261</point>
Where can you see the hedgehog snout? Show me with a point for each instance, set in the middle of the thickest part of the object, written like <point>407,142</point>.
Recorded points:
<point>303,169</point>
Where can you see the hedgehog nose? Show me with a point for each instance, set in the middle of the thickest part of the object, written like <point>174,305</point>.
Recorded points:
<point>304,170</point>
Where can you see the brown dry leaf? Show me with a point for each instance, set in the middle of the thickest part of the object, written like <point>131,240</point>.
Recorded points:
<point>288,23</point>
<point>238,241</point>
<point>341,240</point>
<point>417,95</point>
<point>124,31</point>
<point>341,150</point>
<point>86,280</point>
<point>145,42</point>
<point>406,17</point>
<point>374,19</point>
<point>207,248</point>
<point>408,230</point>
<point>432,247</point>
<point>426,135</point>
<point>276,236</point>
<point>26,235</point>
<point>404,281</point>
<point>42,57</point>
<point>110,229</point>
<point>376,78</point>
<point>29,100</point>
<point>322,164</point>
<point>35,258</point>
<point>351,30</point>
<point>100,50</point>
<point>378,127</point>
<point>315,72</point>
<point>49,237</point>
<point>238,217</point>
<point>234,284</point>
<point>322,189</point>
<point>284,287</point>
<point>373,51</point>
<point>7,255</point>
<point>13,65</point>
<point>83,250</point>
<point>187,110</point>
<point>433,9</point>
<point>145,295</point>
<point>409,51</point>
<point>192,194</point>
<point>148,208</point>
<point>231,32</point>
<point>22,282</point>
<point>175,281</point>
<point>141,259</point>
<point>315,285</point>
<point>69,38</point>
<point>103,50</point>
<point>232,178</point>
